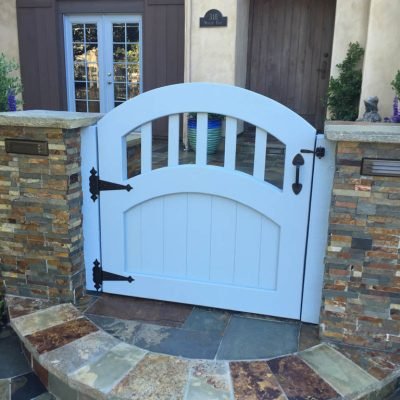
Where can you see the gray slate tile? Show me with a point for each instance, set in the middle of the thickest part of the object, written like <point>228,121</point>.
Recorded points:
<point>247,338</point>
<point>10,349</point>
<point>205,320</point>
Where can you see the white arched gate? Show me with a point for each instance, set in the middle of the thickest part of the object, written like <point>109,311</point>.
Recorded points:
<point>204,234</point>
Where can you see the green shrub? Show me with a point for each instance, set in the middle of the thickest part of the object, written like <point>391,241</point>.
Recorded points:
<point>345,90</point>
<point>396,84</point>
<point>9,84</point>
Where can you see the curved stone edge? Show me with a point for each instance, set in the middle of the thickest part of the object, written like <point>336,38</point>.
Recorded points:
<point>79,379</point>
<point>74,379</point>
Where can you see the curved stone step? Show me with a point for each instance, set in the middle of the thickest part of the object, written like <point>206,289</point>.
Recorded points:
<point>78,357</point>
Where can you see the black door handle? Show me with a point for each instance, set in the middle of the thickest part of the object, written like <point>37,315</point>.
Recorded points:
<point>298,161</point>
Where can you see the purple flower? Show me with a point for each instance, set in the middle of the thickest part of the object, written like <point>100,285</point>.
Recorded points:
<point>396,115</point>
<point>11,100</point>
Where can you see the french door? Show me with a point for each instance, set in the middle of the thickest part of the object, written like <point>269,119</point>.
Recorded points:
<point>103,55</point>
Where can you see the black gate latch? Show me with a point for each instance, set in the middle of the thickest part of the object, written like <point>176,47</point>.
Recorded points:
<point>319,152</point>
<point>96,185</point>
<point>99,276</point>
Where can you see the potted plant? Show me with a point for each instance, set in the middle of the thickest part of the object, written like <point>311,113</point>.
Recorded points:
<point>214,131</point>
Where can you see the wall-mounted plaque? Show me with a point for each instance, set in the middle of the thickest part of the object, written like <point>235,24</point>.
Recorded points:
<point>31,147</point>
<point>213,18</point>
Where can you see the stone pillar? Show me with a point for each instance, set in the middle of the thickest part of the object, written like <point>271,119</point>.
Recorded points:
<point>41,243</point>
<point>361,293</point>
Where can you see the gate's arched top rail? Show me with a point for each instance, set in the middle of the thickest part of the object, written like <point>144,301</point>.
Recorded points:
<point>226,100</point>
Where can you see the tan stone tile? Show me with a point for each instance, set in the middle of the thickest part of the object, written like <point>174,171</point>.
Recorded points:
<point>40,320</point>
<point>156,377</point>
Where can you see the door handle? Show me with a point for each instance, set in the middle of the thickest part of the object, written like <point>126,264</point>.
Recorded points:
<point>298,161</point>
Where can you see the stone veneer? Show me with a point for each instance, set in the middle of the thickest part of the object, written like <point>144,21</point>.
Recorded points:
<point>41,243</point>
<point>361,293</point>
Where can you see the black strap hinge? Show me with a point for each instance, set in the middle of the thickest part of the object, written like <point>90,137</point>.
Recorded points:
<point>96,185</point>
<point>319,152</point>
<point>99,276</point>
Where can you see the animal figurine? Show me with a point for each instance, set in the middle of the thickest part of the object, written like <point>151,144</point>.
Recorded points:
<point>371,110</point>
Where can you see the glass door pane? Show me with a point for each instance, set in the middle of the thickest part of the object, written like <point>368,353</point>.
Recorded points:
<point>124,62</point>
<point>103,60</point>
<point>84,91</point>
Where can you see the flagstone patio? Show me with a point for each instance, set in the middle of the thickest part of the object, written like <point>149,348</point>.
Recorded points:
<point>94,353</point>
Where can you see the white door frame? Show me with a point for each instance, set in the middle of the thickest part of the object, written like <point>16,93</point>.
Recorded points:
<point>105,52</point>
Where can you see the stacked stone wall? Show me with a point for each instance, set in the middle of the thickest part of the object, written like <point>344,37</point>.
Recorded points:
<point>361,294</point>
<point>41,244</point>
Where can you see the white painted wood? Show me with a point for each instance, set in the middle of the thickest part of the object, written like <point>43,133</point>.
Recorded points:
<point>133,239</point>
<point>230,142</point>
<point>260,149</point>
<point>175,234</point>
<point>146,141</point>
<point>248,240</point>
<point>198,237</point>
<point>223,240</point>
<point>227,100</point>
<point>69,68</point>
<point>213,194</point>
<point>173,140</point>
<point>90,209</point>
<point>201,138</point>
<point>152,236</point>
<point>269,255</point>
<point>318,231</point>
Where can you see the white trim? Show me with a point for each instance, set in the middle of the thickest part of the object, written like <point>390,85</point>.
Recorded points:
<point>318,231</point>
<point>90,209</point>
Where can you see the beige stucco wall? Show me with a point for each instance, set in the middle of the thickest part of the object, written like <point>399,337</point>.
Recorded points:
<point>374,24</point>
<point>351,25</point>
<point>242,29</point>
<point>216,54</point>
<point>8,29</point>
<point>382,54</point>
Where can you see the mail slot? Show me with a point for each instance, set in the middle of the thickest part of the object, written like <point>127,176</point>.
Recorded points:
<point>380,167</point>
<point>30,147</point>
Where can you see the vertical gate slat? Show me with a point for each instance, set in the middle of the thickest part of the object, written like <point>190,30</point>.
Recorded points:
<point>230,143</point>
<point>146,139</point>
<point>173,140</point>
<point>259,154</point>
<point>201,139</point>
